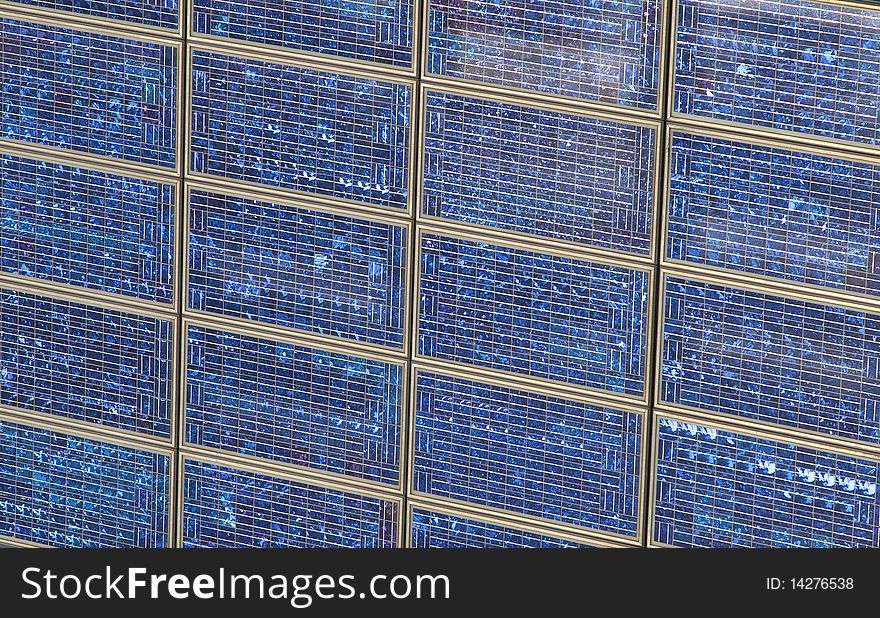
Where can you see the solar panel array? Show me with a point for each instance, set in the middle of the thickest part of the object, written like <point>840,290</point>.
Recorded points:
<point>298,268</point>
<point>434,529</point>
<point>294,404</point>
<point>226,507</point>
<point>155,13</point>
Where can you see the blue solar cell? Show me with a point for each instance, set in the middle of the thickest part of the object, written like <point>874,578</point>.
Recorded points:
<point>717,488</point>
<point>88,229</point>
<point>86,363</point>
<point>226,507</point>
<point>62,490</point>
<point>369,31</point>
<point>778,360</point>
<point>595,50</point>
<point>89,92</point>
<point>298,268</point>
<point>538,172</point>
<point>156,13</point>
<point>793,65</point>
<point>433,529</point>
<point>529,313</point>
<point>775,212</point>
<point>300,129</point>
<point>294,404</point>
<point>528,453</point>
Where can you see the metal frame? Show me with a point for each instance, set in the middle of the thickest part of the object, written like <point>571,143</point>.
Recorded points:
<point>548,526</point>
<point>214,459</point>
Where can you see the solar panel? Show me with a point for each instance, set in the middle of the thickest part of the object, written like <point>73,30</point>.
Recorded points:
<point>598,51</point>
<point>770,358</point>
<point>434,529</point>
<point>86,363</point>
<point>156,13</point>
<point>298,268</point>
<point>528,453</point>
<point>301,129</point>
<point>88,229</point>
<point>794,65</point>
<point>538,172</point>
<point>226,507</point>
<point>775,212</point>
<point>717,488</point>
<point>534,314</point>
<point>294,404</point>
<point>88,92</point>
<point>61,490</point>
<point>368,31</point>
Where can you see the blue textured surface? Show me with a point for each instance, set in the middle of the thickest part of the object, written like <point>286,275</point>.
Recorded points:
<point>363,30</point>
<point>537,172</point>
<point>791,65</point>
<point>294,404</point>
<point>225,507</point>
<point>284,126</point>
<point>782,361</point>
<point>432,529</point>
<point>157,13</point>
<point>89,92</point>
<point>86,363</point>
<point>596,50</point>
<point>298,268</point>
<point>534,314</point>
<point>775,212</point>
<point>527,453</point>
<point>721,489</point>
<point>88,229</point>
<point>66,491</point>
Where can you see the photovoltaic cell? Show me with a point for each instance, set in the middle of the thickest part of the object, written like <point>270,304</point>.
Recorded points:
<point>89,92</point>
<point>368,31</point>
<point>775,212</point>
<point>432,529</point>
<point>298,268</point>
<point>774,359</point>
<point>595,50</point>
<point>156,13</point>
<point>87,229</point>
<point>61,490</point>
<point>225,507</point>
<point>294,404</point>
<point>300,129</point>
<point>537,172</point>
<point>793,65</point>
<point>527,453</point>
<point>86,363</point>
<point>534,314</point>
<point>716,488</point>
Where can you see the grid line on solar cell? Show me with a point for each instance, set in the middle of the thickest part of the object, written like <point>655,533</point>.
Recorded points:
<point>524,452</point>
<point>156,13</point>
<point>86,363</point>
<point>433,529</point>
<point>300,129</point>
<point>89,92</point>
<point>86,228</point>
<point>799,66</point>
<point>607,52</point>
<point>225,507</point>
<point>773,359</point>
<point>361,30</point>
<point>535,314</point>
<point>775,212</point>
<point>61,490</point>
<point>294,404</point>
<point>297,268</point>
<point>716,488</point>
<point>538,172</point>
